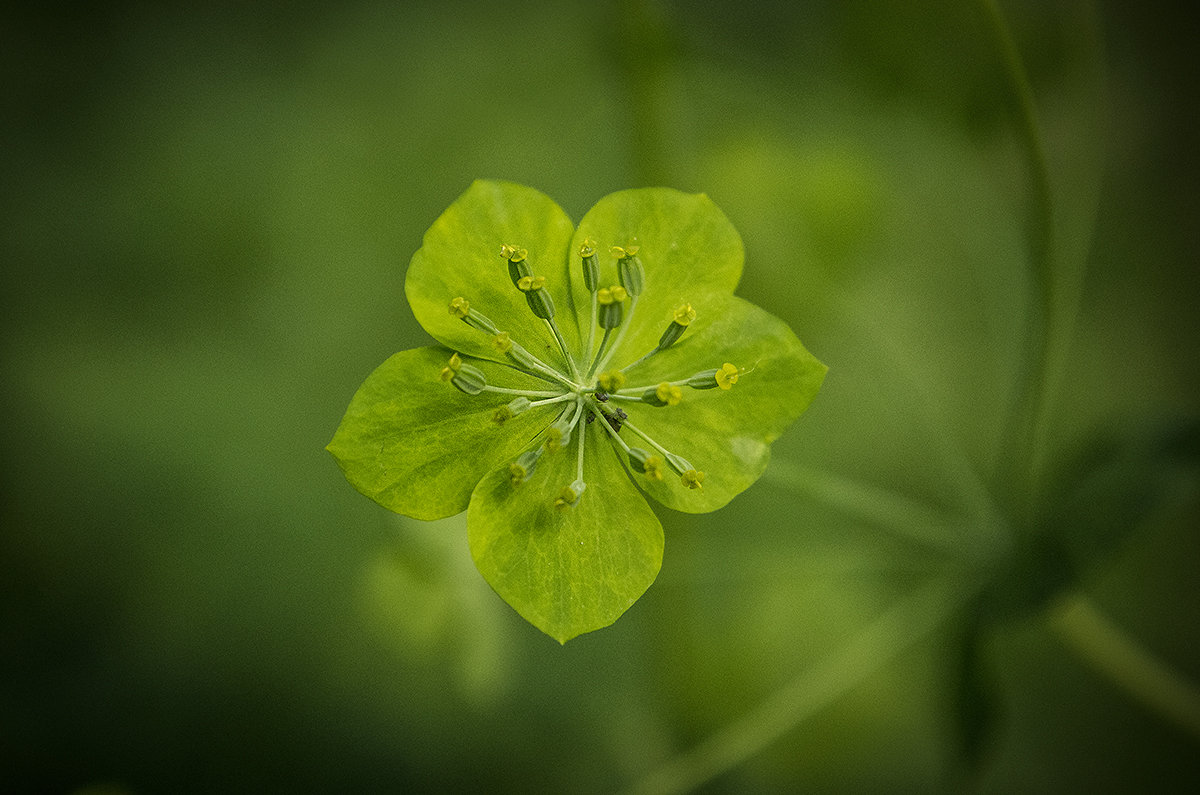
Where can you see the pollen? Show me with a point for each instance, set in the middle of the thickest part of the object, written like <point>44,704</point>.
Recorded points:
<point>528,284</point>
<point>611,381</point>
<point>669,394</point>
<point>569,495</point>
<point>693,479</point>
<point>516,474</point>
<point>611,295</point>
<point>502,342</point>
<point>727,376</point>
<point>654,467</point>
<point>685,314</point>
<point>460,307</point>
<point>451,368</point>
<point>513,254</point>
<point>588,248</point>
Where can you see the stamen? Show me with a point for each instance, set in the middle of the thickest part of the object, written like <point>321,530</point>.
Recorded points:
<point>518,264</point>
<point>665,394</point>
<point>624,328</point>
<point>558,435</point>
<point>570,495</point>
<point>579,459</point>
<point>499,390</point>
<point>648,464</point>
<point>591,280</point>
<point>565,396</point>
<point>520,470</point>
<point>629,269</point>
<point>611,381</point>
<point>517,406</point>
<point>725,377</point>
<point>612,310</point>
<point>692,478</point>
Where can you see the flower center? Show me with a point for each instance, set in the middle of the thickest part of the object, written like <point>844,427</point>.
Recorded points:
<point>587,387</point>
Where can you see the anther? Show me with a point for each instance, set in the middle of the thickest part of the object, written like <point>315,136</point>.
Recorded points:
<point>520,470</point>
<point>684,315</point>
<point>665,394</point>
<point>518,264</point>
<point>591,267</point>
<point>630,269</point>
<point>649,464</point>
<point>611,381</point>
<point>693,479</point>
<point>612,305</point>
<point>558,436</point>
<point>451,367</point>
<point>502,342</point>
<point>461,309</point>
<point>468,378</point>
<point>570,495</point>
<point>517,406</point>
<point>538,298</point>
<point>725,377</point>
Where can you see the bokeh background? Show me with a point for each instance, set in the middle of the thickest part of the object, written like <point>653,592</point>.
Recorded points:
<point>206,215</point>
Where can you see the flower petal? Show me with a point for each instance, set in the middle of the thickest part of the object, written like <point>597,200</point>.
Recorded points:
<point>725,433</point>
<point>460,258</point>
<point>690,251</point>
<point>566,570</point>
<point>418,446</point>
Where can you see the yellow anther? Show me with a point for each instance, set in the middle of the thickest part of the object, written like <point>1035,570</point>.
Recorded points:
<point>513,254</point>
<point>693,479</point>
<point>621,252</point>
<point>528,284</point>
<point>669,393</point>
<point>685,314</point>
<point>566,498</point>
<point>459,307</point>
<point>588,248</point>
<point>611,295</point>
<point>653,467</point>
<point>451,368</point>
<point>502,415</point>
<point>502,342</point>
<point>727,376</point>
<point>516,474</point>
<point>554,438</point>
<point>611,381</point>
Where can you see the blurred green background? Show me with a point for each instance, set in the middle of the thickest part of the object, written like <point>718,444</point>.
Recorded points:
<point>207,214</point>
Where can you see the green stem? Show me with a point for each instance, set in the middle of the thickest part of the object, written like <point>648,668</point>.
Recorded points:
<point>626,322</point>
<point>1113,653</point>
<point>908,622</point>
<point>562,346</point>
<point>599,352</point>
<point>885,509</point>
<point>1028,415</point>
<point>526,393</point>
<point>582,435</point>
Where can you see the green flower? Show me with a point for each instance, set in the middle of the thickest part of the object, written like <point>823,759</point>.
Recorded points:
<point>582,368</point>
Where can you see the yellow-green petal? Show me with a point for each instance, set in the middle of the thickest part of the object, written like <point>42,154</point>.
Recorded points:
<point>417,446</point>
<point>460,256</point>
<point>566,569</point>
<point>726,433</point>
<point>689,250</point>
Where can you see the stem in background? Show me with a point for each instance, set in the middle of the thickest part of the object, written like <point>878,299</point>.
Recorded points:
<point>1105,647</point>
<point>908,622</point>
<point>1027,418</point>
